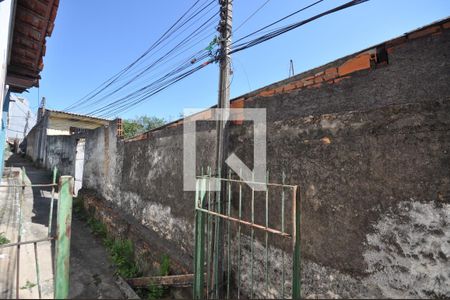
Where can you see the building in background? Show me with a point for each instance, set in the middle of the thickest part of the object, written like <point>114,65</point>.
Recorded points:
<point>20,119</point>
<point>24,26</point>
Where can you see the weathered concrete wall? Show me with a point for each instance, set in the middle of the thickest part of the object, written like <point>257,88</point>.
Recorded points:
<point>368,147</point>
<point>35,143</point>
<point>60,152</point>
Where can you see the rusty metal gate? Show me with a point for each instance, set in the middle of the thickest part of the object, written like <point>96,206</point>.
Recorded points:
<point>247,245</point>
<point>61,237</point>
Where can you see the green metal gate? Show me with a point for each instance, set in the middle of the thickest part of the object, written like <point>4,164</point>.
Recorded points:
<point>61,237</point>
<point>247,245</point>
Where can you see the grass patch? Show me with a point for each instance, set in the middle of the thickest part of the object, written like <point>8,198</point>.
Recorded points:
<point>3,239</point>
<point>97,227</point>
<point>158,291</point>
<point>121,252</point>
<point>122,255</point>
<point>28,286</point>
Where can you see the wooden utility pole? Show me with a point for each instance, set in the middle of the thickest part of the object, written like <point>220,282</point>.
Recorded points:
<point>225,30</point>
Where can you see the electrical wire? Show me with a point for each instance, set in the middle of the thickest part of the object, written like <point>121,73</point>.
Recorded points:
<point>275,33</point>
<point>173,28</point>
<point>251,16</point>
<point>194,34</point>
<point>132,99</point>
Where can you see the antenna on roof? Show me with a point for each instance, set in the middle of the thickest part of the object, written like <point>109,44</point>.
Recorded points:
<point>291,68</point>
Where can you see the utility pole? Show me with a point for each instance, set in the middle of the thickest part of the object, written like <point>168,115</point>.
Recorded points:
<point>225,30</point>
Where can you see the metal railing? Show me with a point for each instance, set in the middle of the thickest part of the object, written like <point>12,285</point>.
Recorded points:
<point>62,236</point>
<point>238,212</point>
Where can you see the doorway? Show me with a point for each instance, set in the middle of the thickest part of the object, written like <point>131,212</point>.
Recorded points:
<point>79,165</point>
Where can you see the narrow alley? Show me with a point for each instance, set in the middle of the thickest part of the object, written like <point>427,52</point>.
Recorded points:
<point>91,272</point>
<point>225,149</point>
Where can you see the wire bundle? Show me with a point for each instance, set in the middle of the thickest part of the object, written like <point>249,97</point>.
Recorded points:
<point>134,77</point>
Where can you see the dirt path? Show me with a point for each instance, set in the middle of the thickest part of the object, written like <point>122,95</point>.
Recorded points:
<point>91,273</point>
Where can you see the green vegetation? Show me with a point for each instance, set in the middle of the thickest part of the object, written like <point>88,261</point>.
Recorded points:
<point>97,227</point>
<point>122,253</point>
<point>28,285</point>
<point>138,125</point>
<point>158,291</point>
<point>3,239</point>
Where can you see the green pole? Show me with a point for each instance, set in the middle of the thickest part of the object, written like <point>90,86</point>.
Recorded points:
<point>199,240</point>
<point>296,286</point>
<point>51,203</point>
<point>63,231</point>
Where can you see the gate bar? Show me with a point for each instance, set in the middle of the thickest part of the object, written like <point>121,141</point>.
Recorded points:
<point>63,233</point>
<point>55,170</point>
<point>199,240</point>
<point>296,245</point>
<point>19,238</point>
<point>37,270</point>
<point>253,225</point>
<point>26,242</point>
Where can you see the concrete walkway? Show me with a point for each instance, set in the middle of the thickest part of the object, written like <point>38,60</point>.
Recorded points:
<point>91,273</point>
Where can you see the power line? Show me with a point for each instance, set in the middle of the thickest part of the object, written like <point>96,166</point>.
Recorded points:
<point>112,79</point>
<point>194,34</point>
<point>137,97</point>
<point>251,16</point>
<point>173,28</point>
<point>285,29</point>
<point>278,21</point>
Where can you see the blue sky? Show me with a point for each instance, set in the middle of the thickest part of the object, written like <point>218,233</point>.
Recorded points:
<point>93,40</point>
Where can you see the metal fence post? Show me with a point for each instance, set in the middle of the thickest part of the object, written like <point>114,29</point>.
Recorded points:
<point>296,275</point>
<point>63,232</point>
<point>199,240</point>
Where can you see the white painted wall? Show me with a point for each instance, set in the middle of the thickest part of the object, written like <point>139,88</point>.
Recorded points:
<point>6,23</point>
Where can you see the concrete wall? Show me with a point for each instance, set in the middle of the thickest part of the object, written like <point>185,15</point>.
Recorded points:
<point>6,18</point>
<point>48,151</point>
<point>60,152</point>
<point>36,142</point>
<point>49,143</point>
<point>367,140</point>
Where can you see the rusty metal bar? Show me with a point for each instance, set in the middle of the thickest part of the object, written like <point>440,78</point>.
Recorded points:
<point>63,233</point>
<point>253,182</point>
<point>26,242</point>
<point>253,225</point>
<point>185,280</point>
